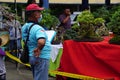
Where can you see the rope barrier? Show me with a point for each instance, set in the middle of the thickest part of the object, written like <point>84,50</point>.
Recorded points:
<point>71,75</point>
<point>76,76</point>
<point>16,59</point>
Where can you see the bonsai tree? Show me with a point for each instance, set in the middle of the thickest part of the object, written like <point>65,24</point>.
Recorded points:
<point>114,25</point>
<point>103,13</point>
<point>101,29</point>
<point>85,28</point>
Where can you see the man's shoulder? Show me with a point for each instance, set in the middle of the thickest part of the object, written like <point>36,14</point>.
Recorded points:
<point>62,15</point>
<point>24,25</point>
<point>37,26</point>
<point>34,26</point>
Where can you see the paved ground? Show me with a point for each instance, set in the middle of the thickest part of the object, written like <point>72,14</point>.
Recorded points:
<point>22,73</point>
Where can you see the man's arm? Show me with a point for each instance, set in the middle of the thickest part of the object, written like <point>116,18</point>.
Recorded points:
<point>66,19</point>
<point>41,43</point>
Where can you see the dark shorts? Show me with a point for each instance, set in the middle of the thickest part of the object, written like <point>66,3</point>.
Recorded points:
<point>3,77</point>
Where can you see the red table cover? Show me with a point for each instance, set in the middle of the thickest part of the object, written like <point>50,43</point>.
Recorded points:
<point>95,59</point>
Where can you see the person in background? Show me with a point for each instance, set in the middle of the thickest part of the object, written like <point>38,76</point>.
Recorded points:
<point>2,64</point>
<point>38,44</point>
<point>65,24</point>
<point>14,28</point>
<point>65,19</point>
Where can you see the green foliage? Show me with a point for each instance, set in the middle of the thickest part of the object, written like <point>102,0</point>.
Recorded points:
<point>84,29</point>
<point>102,12</point>
<point>85,17</point>
<point>49,20</point>
<point>70,34</point>
<point>113,9</point>
<point>102,30</point>
<point>114,23</point>
<point>98,21</point>
<point>115,40</point>
<point>112,18</point>
<point>75,27</point>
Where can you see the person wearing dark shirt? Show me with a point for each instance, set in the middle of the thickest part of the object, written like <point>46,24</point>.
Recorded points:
<point>65,19</point>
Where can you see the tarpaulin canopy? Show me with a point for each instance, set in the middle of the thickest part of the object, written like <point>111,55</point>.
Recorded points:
<point>66,1</point>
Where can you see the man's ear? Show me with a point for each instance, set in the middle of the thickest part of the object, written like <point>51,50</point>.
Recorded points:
<point>34,15</point>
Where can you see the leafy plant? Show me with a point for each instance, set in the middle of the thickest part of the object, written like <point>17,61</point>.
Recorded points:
<point>85,17</point>
<point>113,9</point>
<point>115,40</point>
<point>84,29</point>
<point>69,34</point>
<point>99,21</point>
<point>102,12</point>
<point>49,21</point>
<point>101,29</point>
<point>114,25</point>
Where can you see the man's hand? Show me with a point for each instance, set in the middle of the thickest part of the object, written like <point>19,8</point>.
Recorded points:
<point>41,43</point>
<point>36,52</point>
<point>69,13</point>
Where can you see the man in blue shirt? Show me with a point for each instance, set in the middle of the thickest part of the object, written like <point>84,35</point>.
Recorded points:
<point>38,45</point>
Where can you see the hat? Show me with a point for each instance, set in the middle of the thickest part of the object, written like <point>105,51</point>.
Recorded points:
<point>4,36</point>
<point>32,7</point>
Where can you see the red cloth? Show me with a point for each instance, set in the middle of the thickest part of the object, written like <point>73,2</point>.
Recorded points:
<point>95,59</point>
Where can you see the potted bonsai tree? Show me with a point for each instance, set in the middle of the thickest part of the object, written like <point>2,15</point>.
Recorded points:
<point>85,28</point>
<point>114,25</point>
<point>101,29</point>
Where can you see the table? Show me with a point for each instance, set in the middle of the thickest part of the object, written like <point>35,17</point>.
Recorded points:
<point>55,51</point>
<point>55,58</point>
<point>95,59</point>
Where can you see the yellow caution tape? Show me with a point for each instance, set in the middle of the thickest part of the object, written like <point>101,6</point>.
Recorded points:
<point>71,75</point>
<point>76,76</point>
<point>16,59</point>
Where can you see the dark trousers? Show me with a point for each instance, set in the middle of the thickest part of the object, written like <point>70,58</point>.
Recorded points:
<point>3,77</point>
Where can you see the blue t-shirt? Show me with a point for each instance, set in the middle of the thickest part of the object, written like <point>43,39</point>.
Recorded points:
<point>36,32</point>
